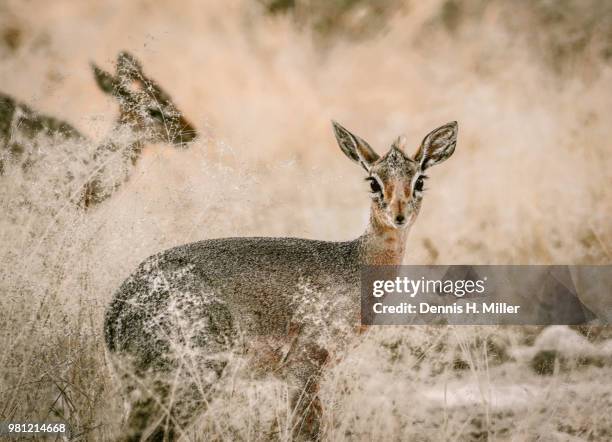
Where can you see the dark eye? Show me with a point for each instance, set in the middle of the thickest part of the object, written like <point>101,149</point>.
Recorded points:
<point>155,113</point>
<point>418,185</point>
<point>374,186</point>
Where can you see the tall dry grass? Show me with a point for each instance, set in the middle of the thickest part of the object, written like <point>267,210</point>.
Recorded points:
<point>529,183</point>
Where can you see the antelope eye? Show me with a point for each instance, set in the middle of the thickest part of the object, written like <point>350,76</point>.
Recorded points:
<point>374,186</point>
<point>155,113</point>
<point>418,185</point>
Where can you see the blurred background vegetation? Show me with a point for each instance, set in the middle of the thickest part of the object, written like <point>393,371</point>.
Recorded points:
<point>562,32</point>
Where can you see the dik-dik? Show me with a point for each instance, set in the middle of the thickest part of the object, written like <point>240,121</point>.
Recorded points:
<point>247,296</point>
<point>147,114</point>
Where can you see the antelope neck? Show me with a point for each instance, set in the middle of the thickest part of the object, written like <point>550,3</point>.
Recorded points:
<point>382,244</point>
<point>129,143</point>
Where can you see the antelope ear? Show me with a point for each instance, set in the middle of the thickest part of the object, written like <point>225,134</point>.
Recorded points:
<point>437,146</point>
<point>105,81</point>
<point>354,147</point>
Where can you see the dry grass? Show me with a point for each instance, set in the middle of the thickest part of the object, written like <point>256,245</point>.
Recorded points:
<point>530,183</point>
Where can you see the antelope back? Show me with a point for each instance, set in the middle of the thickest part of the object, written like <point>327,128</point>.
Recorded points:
<point>24,131</point>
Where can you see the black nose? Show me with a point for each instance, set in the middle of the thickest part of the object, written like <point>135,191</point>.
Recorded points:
<point>399,219</point>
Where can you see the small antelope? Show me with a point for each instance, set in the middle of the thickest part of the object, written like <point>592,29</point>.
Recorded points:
<point>254,296</point>
<point>146,115</point>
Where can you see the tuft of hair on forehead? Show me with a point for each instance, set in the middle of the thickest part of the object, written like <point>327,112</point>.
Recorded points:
<point>395,163</point>
<point>400,143</point>
<point>396,157</point>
